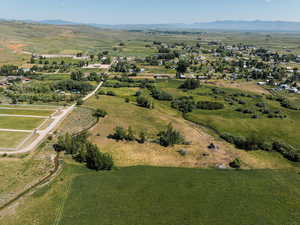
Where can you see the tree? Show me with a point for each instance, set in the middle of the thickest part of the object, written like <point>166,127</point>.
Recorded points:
<point>78,75</point>
<point>182,66</point>
<point>96,160</point>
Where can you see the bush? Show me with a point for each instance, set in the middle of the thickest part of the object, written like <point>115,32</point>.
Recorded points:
<point>100,113</point>
<point>79,102</point>
<point>170,137</point>
<point>159,94</point>
<point>111,93</point>
<point>144,102</point>
<point>249,143</point>
<point>142,137</point>
<point>235,163</point>
<point>101,92</point>
<point>190,84</point>
<point>287,151</point>
<point>120,134</point>
<point>184,104</point>
<point>209,105</point>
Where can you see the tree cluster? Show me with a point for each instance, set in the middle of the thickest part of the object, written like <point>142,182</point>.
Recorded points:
<point>84,151</point>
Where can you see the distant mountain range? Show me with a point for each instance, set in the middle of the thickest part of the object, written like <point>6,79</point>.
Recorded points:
<point>230,25</point>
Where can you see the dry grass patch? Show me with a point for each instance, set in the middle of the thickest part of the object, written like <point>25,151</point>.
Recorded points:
<point>242,85</point>
<point>128,154</point>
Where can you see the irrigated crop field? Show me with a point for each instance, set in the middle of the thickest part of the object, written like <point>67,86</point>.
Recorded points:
<point>149,195</point>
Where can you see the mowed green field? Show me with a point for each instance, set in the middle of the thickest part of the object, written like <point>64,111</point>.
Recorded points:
<point>35,112</point>
<point>177,196</point>
<point>19,123</point>
<point>11,139</point>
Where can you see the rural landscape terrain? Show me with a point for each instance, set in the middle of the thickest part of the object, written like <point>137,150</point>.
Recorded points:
<point>146,126</point>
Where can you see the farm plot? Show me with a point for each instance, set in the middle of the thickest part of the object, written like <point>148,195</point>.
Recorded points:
<point>18,122</point>
<point>11,139</point>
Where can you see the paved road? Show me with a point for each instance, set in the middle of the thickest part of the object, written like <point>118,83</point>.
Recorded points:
<point>57,120</point>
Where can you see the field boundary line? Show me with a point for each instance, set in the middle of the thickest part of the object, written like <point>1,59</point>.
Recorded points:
<point>29,109</point>
<point>24,116</point>
<point>15,130</point>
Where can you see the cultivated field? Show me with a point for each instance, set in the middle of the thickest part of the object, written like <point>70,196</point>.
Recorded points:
<point>149,195</point>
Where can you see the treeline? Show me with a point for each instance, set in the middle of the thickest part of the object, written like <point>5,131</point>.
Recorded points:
<point>168,137</point>
<point>252,143</point>
<point>128,82</point>
<point>72,85</point>
<point>84,151</point>
<point>187,104</point>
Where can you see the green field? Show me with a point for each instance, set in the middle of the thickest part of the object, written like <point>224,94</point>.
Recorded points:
<point>164,196</point>
<point>19,123</point>
<point>11,139</point>
<point>35,112</point>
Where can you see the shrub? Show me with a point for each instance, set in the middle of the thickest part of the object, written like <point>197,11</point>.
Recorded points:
<point>159,94</point>
<point>249,143</point>
<point>79,102</point>
<point>209,105</point>
<point>100,113</point>
<point>144,102</point>
<point>190,84</point>
<point>101,92</point>
<point>120,134</point>
<point>142,137</point>
<point>235,163</point>
<point>287,151</point>
<point>111,93</point>
<point>184,104</point>
<point>170,137</point>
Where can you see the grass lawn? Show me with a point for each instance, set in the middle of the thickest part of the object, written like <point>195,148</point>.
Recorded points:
<point>164,196</point>
<point>36,112</point>
<point>19,123</point>
<point>11,139</point>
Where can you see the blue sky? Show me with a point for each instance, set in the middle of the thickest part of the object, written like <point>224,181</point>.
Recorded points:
<point>150,11</point>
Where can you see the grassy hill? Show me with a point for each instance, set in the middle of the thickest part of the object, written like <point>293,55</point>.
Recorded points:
<point>17,37</point>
